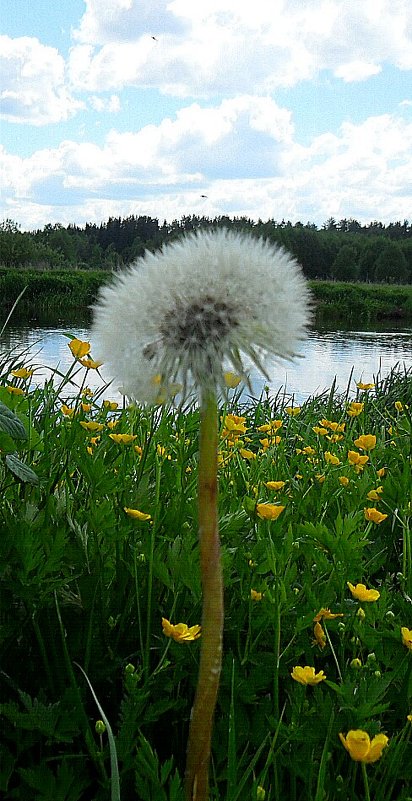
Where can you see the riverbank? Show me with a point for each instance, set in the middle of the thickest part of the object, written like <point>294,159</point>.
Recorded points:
<point>51,293</point>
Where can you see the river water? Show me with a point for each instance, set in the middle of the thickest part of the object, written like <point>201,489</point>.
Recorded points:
<point>347,355</point>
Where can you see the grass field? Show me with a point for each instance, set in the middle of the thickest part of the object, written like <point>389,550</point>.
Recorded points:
<point>98,520</point>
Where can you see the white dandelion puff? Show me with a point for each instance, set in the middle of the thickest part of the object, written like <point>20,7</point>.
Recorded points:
<point>187,314</point>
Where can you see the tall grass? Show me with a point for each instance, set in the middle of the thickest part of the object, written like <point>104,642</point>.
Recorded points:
<point>84,583</point>
<point>57,291</point>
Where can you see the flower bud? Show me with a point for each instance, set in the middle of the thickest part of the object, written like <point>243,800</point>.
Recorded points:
<point>129,669</point>
<point>371,657</point>
<point>361,613</point>
<point>99,727</point>
<point>390,615</point>
<point>260,793</point>
<point>377,674</point>
<point>356,664</point>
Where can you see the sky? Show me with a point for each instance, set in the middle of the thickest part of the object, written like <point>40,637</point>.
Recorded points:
<point>273,109</point>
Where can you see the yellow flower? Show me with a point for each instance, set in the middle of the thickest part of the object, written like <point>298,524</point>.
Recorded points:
<point>246,454</point>
<point>231,380</point>
<point>406,637</point>
<point>308,450</point>
<point>111,406</point>
<point>355,408</point>
<point>362,594</point>
<point>268,511</point>
<point>374,515</point>
<point>112,424</point>
<point>331,458</point>
<point>256,596</point>
<point>320,636</point>
<point>181,631</point>
<point>409,717</point>
<point>320,430</point>
<point>136,515</point>
<point>86,407</point>
<point>271,427</point>
<point>361,748</point>
<point>375,494</point>
<point>267,443</point>
<point>67,410</point>
<point>365,387</point>
<point>275,485</point>
<point>320,477</point>
<point>366,442</point>
<point>344,481</point>
<point>307,675</point>
<point>381,472</point>
<point>91,364</point>
<point>292,411</point>
<point>14,390</point>
<point>336,426</point>
<point>79,348</point>
<point>94,440</point>
<point>91,425</point>
<point>123,439</point>
<point>137,449</point>
<point>22,372</point>
<point>399,406</point>
<point>326,614</point>
<point>355,458</point>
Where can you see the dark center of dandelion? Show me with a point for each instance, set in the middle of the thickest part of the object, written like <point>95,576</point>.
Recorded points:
<point>202,324</point>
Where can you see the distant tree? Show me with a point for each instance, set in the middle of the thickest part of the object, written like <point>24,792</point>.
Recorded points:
<point>345,267</point>
<point>16,248</point>
<point>391,265</point>
<point>370,251</point>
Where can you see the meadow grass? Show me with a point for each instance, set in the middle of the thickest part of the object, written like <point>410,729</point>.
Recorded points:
<point>96,698</point>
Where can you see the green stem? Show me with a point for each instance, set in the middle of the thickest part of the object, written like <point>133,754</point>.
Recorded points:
<point>365,782</point>
<point>200,731</point>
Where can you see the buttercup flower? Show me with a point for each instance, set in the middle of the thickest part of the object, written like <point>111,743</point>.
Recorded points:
<point>361,748</point>
<point>22,372</point>
<point>406,637</point>
<point>199,308</point>
<point>366,442</point>
<point>320,636</point>
<point>135,514</point>
<point>255,595</point>
<point>268,511</point>
<point>374,515</point>
<point>307,675</point>
<point>181,631</point>
<point>326,614</point>
<point>292,411</point>
<point>364,387</point>
<point>79,348</point>
<point>355,408</point>
<point>275,485</point>
<point>123,439</point>
<point>361,593</point>
<point>91,425</point>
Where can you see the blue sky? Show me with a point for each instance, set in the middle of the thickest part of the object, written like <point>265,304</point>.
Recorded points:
<point>295,109</point>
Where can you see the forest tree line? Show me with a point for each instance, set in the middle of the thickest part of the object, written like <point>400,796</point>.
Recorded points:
<point>340,250</point>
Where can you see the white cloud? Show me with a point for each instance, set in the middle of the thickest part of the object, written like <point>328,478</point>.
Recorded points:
<point>33,83</point>
<point>215,47</point>
<point>363,171</point>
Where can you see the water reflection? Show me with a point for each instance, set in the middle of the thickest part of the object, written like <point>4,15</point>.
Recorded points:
<point>324,356</point>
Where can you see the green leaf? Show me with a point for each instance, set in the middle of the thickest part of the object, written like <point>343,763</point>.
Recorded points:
<point>21,470</point>
<point>10,423</point>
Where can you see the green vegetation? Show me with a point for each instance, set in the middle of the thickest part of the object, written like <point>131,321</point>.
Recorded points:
<point>344,250</point>
<point>61,292</point>
<point>99,543</point>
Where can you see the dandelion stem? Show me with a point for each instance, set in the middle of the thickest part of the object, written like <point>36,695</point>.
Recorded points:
<point>200,732</point>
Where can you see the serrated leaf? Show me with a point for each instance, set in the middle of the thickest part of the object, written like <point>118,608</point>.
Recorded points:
<point>10,423</point>
<point>21,470</point>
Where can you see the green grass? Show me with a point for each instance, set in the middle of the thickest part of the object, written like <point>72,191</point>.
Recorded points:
<point>83,585</point>
<point>48,292</point>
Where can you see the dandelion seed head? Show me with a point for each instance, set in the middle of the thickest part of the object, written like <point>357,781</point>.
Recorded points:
<point>209,302</point>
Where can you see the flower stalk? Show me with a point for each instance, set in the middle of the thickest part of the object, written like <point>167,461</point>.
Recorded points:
<point>201,724</point>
